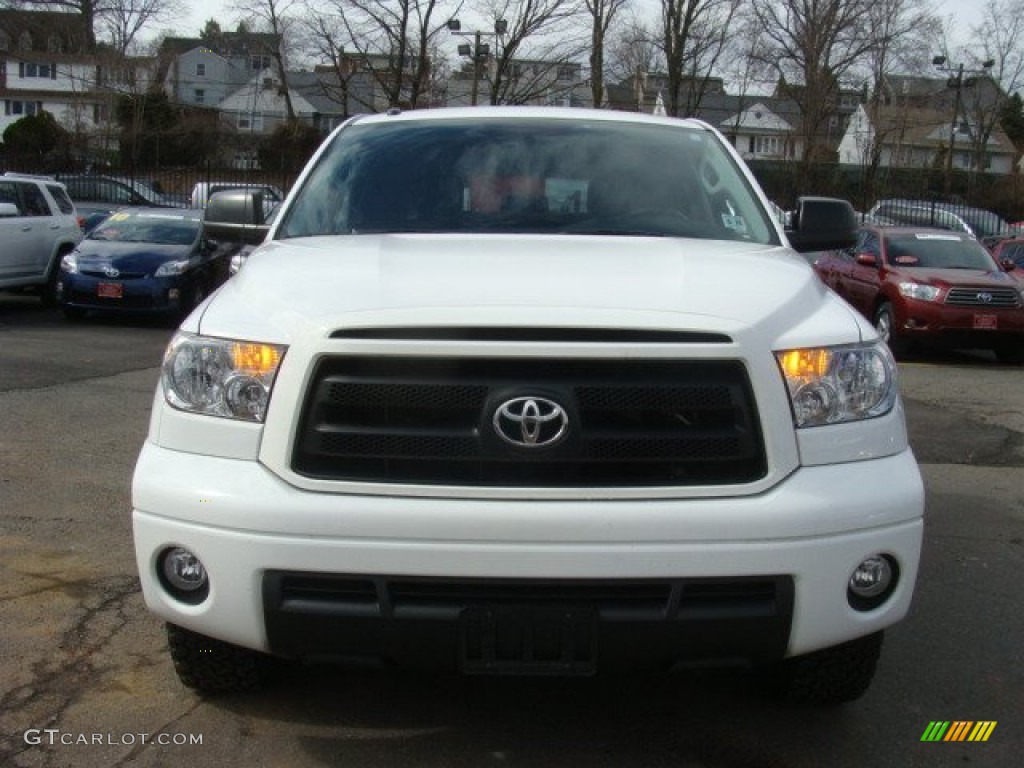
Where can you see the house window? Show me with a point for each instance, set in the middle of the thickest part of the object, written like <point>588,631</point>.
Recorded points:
<point>566,72</point>
<point>199,95</point>
<point>100,113</point>
<point>250,121</point>
<point>201,69</point>
<point>22,107</point>
<point>257,63</point>
<point>768,145</point>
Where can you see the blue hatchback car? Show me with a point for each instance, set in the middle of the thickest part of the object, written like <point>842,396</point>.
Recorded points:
<point>143,260</point>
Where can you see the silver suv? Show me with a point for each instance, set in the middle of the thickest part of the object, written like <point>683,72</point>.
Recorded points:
<point>38,225</point>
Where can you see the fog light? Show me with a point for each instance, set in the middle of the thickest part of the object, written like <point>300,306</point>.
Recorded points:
<point>184,575</point>
<point>872,581</point>
<point>173,295</point>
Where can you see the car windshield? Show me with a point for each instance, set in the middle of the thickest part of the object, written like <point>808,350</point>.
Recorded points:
<point>146,228</point>
<point>937,251</point>
<point>525,175</point>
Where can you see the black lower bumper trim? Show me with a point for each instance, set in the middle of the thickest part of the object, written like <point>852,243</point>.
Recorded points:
<point>512,626</point>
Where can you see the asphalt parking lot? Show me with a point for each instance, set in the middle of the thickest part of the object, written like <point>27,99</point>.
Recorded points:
<point>85,679</point>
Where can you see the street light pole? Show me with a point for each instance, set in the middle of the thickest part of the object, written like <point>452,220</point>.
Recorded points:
<point>479,51</point>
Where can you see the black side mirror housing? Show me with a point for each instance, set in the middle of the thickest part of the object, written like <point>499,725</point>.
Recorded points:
<point>236,215</point>
<point>822,224</point>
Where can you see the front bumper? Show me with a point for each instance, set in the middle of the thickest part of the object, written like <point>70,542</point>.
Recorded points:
<point>254,533</point>
<point>158,295</point>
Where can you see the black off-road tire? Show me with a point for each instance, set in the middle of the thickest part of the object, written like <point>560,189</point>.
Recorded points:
<point>211,666</point>
<point>829,677</point>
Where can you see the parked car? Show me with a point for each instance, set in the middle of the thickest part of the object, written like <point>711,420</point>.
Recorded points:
<point>38,225</point>
<point>928,213</point>
<point>201,192</point>
<point>1008,251</point>
<point>498,393</point>
<point>98,195</point>
<point>930,285</point>
<point>143,260</point>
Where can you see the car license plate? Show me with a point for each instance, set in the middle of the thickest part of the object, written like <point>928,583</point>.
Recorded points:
<point>986,322</point>
<point>110,290</point>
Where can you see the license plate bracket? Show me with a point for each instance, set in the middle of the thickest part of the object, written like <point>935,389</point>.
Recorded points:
<point>514,640</point>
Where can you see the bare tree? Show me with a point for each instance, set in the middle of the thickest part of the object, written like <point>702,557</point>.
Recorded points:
<point>634,51</point>
<point>126,19</point>
<point>123,19</point>
<point>536,29</point>
<point>1001,34</point>
<point>814,44</point>
<point>392,41</point>
<point>602,15</point>
<point>275,17</point>
<point>905,35</point>
<point>694,33</point>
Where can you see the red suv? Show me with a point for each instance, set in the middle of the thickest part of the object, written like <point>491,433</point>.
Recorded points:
<point>930,285</point>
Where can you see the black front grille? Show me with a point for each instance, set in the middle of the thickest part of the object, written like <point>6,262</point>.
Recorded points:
<point>991,298</point>
<point>430,421</point>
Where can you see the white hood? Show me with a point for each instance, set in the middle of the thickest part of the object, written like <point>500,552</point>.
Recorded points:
<point>318,285</point>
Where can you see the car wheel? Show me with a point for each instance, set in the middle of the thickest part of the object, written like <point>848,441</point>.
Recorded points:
<point>828,677</point>
<point>884,322</point>
<point>1010,354</point>
<point>48,291</point>
<point>211,666</point>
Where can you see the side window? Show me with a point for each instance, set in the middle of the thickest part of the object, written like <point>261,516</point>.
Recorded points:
<point>61,198</point>
<point>9,194</point>
<point>867,242</point>
<point>34,199</point>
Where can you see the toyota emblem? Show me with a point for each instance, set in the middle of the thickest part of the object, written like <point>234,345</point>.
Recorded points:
<point>985,298</point>
<point>111,272</point>
<point>531,422</point>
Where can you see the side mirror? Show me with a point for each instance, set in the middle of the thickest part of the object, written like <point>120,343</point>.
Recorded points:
<point>866,260</point>
<point>822,224</point>
<point>1008,265</point>
<point>236,215</point>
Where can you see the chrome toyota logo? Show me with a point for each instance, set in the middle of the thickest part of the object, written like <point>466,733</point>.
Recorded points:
<point>111,272</point>
<point>531,422</point>
<point>985,298</point>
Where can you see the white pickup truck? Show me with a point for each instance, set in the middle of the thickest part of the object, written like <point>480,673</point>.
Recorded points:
<point>528,391</point>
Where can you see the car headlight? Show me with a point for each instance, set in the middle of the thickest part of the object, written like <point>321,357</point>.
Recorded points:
<point>919,291</point>
<point>220,377</point>
<point>832,385</point>
<point>69,262</point>
<point>170,268</point>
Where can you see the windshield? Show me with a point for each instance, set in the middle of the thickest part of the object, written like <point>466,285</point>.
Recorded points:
<point>527,175</point>
<point>938,252</point>
<point>146,228</point>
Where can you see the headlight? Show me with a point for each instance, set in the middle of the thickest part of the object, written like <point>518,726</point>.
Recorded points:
<point>919,292</point>
<point>69,263</point>
<point>220,377</point>
<point>169,268</point>
<point>831,385</point>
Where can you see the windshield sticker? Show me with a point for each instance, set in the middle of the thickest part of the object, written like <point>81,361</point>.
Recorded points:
<point>906,260</point>
<point>735,223</point>
<point>925,236</point>
<point>118,217</point>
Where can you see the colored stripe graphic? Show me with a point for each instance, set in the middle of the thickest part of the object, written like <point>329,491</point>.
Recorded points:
<point>958,730</point>
<point>935,731</point>
<point>982,730</point>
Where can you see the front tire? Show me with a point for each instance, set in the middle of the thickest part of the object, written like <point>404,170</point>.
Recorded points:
<point>210,666</point>
<point>1011,354</point>
<point>885,323</point>
<point>828,677</point>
